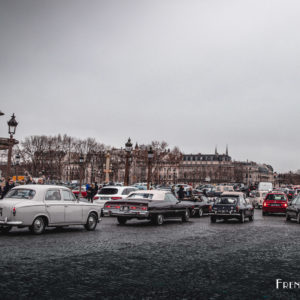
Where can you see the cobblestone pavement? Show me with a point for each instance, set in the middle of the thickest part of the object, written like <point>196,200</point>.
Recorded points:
<point>194,260</point>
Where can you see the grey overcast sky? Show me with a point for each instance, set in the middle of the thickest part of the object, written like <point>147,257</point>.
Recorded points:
<point>192,73</point>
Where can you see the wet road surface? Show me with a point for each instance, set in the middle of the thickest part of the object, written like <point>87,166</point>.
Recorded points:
<point>194,260</point>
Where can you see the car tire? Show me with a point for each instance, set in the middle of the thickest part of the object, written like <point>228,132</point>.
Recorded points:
<point>159,219</point>
<point>251,218</point>
<point>38,226</point>
<point>213,219</point>
<point>242,217</point>
<point>298,218</point>
<point>287,217</point>
<point>5,229</point>
<point>186,216</point>
<point>264,213</point>
<point>200,212</point>
<point>122,220</point>
<point>91,222</point>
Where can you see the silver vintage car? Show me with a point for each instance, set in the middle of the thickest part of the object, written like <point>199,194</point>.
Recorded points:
<point>39,206</point>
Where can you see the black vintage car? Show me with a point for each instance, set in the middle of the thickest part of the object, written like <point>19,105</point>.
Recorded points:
<point>153,205</point>
<point>293,210</point>
<point>232,206</point>
<point>198,205</point>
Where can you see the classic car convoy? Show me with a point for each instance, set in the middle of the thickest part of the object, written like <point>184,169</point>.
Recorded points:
<point>41,206</point>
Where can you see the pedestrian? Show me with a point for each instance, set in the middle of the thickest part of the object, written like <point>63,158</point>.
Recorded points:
<point>8,186</point>
<point>181,193</point>
<point>173,190</point>
<point>89,193</point>
<point>94,191</point>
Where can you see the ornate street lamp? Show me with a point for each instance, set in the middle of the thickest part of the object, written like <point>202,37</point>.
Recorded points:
<point>150,157</point>
<point>12,126</point>
<point>81,160</point>
<point>128,149</point>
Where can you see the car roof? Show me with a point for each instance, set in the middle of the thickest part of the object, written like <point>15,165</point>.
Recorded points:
<point>118,187</point>
<point>40,187</point>
<point>232,194</point>
<point>157,194</point>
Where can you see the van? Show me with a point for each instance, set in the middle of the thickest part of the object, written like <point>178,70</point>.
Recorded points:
<point>265,186</point>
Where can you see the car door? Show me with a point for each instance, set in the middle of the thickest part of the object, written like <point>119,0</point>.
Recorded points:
<point>292,209</point>
<point>55,206</point>
<point>73,209</point>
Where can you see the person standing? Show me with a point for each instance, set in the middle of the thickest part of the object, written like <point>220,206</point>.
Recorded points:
<point>181,193</point>
<point>8,186</point>
<point>89,193</point>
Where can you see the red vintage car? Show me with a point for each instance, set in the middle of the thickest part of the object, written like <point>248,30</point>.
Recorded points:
<point>83,192</point>
<point>275,202</point>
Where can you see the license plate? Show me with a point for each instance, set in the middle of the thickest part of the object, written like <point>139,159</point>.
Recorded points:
<point>105,198</point>
<point>125,208</point>
<point>274,204</point>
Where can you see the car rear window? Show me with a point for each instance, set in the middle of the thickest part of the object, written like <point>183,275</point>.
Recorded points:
<point>108,191</point>
<point>20,194</point>
<point>276,197</point>
<point>226,200</point>
<point>141,195</point>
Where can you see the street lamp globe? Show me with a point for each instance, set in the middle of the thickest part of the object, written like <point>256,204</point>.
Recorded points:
<point>128,146</point>
<point>150,153</point>
<point>81,159</point>
<point>17,158</point>
<point>12,125</point>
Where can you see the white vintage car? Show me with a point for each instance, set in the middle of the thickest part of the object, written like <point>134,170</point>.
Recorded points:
<point>39,206</point>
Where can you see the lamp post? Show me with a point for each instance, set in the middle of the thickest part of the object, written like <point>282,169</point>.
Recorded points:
<point>81,159</point>
<point>128,149</point>
<point>150,157</point>
<point>17,160</point>
<point>12,126</point>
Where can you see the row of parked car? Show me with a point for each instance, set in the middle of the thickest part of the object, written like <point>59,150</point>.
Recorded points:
<point>41,206</point>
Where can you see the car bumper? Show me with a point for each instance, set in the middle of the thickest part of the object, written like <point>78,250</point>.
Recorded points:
<point>131,214</point>
<point>274,210</point>
<point>229,214</point>
<point>10,223</point>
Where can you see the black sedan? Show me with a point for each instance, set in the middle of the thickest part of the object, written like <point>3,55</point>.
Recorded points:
<point>293,210</point>
<point>153,205</point>
<point>198,205</point>
<point>232,206</point>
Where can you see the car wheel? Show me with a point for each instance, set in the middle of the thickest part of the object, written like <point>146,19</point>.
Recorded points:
<point>288,218</point>
<point>193,212</point>
<point>264,213</point>
<point>91,222</point>
<point>122,220</point>
<point>213,219</point>
<point>186,216</point>
<point>5,229</point>
<point>159,219</point>
<point>298,218</point>
<point>200,212</point>
<point>242,217</point>
<point>38,226</point>
<point>251,218</point>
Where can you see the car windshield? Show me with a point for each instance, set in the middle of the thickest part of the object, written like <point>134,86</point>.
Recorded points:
<point>276,197</point>
<point>226,200</point>
<point>108,191</point>
<point>141,195</point>
<point>20,194</point>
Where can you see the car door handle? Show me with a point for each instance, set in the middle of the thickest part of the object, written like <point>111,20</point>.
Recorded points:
<point>66,205</point>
